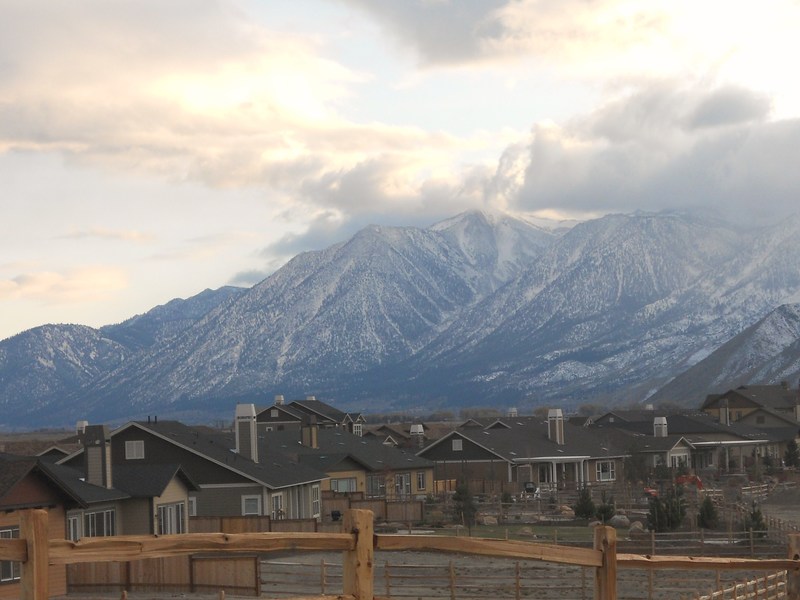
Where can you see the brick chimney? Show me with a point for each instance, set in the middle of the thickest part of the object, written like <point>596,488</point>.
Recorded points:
<point>246,433</point>
<point>555,426</point>
<point>97,455</point>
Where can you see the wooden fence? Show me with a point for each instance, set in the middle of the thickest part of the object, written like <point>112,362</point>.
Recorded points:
<point>357,541</point>
<point>249,524</point>
<point>768,587</point>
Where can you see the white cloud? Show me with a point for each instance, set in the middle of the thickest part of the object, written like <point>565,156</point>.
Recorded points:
<point>91,284</point>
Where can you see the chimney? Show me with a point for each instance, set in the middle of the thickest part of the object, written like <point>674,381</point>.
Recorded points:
<point>97,455</point>
<point>417,432</point>
<point>512,412</point>
<point>555,426</point>
<point>246,433</point>
<point>785,384</point>
<point>80,427</point>
<point>725,413</point>
<point>309,433</point>
<point>660,427</point>
<point>311,398</point>
<point>279,400</point>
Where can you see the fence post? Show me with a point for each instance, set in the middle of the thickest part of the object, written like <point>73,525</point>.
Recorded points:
<point>793,576</point>
<point>34,577</point>
<point>357,568</point>
<point>605,579</point>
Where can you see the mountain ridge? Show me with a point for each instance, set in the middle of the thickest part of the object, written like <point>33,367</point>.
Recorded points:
<point>476,309</point>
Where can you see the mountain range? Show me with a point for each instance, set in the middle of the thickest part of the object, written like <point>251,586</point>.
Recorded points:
<point>478,310</point>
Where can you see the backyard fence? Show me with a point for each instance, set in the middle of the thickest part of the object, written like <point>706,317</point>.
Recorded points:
<point>358,544</point>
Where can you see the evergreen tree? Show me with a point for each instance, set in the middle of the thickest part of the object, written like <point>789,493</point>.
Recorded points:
<point>755,520</point>
<point>667,513</point>
<point>464,506</point>
<point>585,508</point>
<point>708,517</point>
<point>605,510</point>
<point>791,457</point>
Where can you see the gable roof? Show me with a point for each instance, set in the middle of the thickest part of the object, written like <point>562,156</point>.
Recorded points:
<point>525,439</point>
<point>336,446</point>
<point>769,396</point>
<point>276,472</point>
<point>68,481</point>
<point>320,409</point>
<point>149,481</point>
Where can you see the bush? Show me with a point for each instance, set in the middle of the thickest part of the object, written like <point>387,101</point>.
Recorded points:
<point>605,510</point>
<point>464,506</point>
<point>667,513</point>
<point>755,520</point>
<point>708,518</point>
<point>584,508</point>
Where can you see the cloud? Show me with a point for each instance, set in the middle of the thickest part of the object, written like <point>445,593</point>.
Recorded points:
<point>663,146</point>
<point>88,284</point>
<point>100,233</point>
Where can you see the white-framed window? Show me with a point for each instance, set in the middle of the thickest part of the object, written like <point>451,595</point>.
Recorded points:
<point>402,484</point>
<point>315,506</point>
<point>101,523</point>
<point>358,429</point>
<point>277,507</point>
<point>606,470</point>
<point>251,505</point>
<point>678,460</point>
<point>9,570</point>
<point>192,506</point>
<point>345,484</point>
<point>134,449</point>
<point>171,518</point>
<point>458,445</point>
<point>421,481</point>
<point>74,528</point>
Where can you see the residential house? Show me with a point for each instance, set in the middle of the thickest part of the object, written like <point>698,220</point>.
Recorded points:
<point>511,454</point>
<point>691,438</point>
<point>281,416</point>
<point>230,478</point>
<point>735,404</point>
<point>354,463</point>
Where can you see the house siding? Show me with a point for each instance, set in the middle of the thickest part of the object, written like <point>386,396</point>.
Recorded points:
<point>133,518</point>
<point>225,501</point>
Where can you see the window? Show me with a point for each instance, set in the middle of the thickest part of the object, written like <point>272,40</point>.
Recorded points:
<point>347,484</point>
<point>171,518</point>
<point>358,429</point>
<point>402,484</point>
<point>376,486</point>
<point>251,505</point>
<point>134,449</point>
<point>606,470</point>
<point>273,413</point>
<point>421,483</point>
<point>277,506</point>
<point>678,460</point>
<point>74,528</point>
<point>458,445</point>
<point>9,571</point>
<point>101,523</point>
<point>192,506</point>
<point>315,507</point>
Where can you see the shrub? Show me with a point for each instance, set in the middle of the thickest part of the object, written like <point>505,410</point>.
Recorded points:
<point>605,510</point>
<point>584,508</point>
<point>707,518</point>
<point>666,513</point>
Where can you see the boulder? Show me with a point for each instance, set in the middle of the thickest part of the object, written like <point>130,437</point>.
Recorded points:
<point>487,520</point>
<point>566,511</point>
<point>619,521</point>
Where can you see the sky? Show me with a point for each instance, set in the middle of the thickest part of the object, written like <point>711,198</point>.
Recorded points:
<point>150,150</point>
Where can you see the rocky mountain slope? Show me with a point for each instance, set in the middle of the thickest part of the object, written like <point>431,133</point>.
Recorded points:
<point>476,310</point>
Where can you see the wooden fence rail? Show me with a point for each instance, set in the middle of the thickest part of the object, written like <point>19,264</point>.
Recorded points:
<point>357,542</point>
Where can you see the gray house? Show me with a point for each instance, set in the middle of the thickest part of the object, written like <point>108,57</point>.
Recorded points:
<point>226,482</point>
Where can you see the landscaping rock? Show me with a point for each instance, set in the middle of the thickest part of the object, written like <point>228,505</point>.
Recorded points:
<point>487,520</point>
<point>619,521</point>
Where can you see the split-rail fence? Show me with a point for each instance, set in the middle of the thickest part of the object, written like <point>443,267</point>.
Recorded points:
<point>358,543</point>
